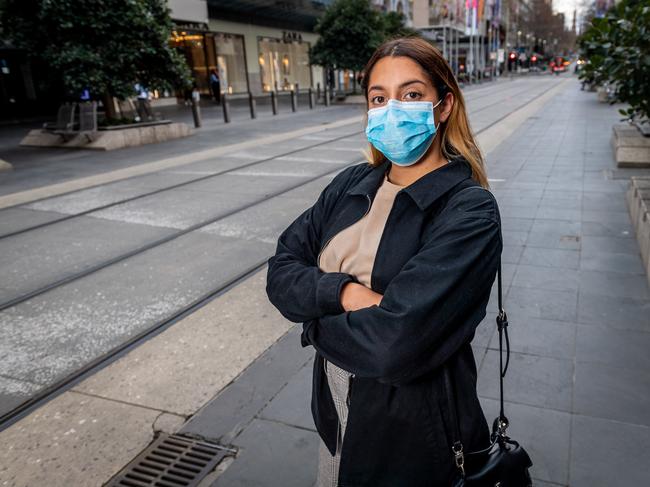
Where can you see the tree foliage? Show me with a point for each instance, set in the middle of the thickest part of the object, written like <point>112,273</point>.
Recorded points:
<point>350,31</point>
<point>105,46</point>
<point>617,49</point>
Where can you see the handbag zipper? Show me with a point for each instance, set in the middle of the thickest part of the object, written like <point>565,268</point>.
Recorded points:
<point>340,230</point>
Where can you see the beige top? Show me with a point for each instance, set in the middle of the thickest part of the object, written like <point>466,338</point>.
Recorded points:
<point>353,249</point>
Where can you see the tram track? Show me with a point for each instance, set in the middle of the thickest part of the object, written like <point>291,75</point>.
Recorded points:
<point>185,183</point>
<point>197,226</point>
<point>58,387</point>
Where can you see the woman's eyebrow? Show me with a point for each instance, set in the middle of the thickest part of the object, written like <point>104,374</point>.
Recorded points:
<point>377,87</point>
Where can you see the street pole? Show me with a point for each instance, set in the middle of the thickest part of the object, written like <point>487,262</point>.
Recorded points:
<point>196,111</point>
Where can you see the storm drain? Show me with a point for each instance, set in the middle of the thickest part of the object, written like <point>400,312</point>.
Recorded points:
<point>171,461</point>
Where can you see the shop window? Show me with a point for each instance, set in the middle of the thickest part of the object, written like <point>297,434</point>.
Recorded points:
<point>283,64</point>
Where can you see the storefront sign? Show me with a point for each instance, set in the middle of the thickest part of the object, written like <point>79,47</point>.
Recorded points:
<point>288,36</point>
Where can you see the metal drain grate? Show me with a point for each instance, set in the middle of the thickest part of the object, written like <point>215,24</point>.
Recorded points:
<point>170,461</point>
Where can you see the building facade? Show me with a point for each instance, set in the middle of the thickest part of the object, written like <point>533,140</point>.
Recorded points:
<point>255,46</point>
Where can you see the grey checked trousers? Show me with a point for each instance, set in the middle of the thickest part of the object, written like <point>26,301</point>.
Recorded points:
<point>328,465</point>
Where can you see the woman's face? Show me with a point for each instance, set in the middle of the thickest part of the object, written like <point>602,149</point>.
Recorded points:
<point>403,79</point>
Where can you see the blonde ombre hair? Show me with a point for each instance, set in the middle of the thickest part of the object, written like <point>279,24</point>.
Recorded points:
<point>455,133</point>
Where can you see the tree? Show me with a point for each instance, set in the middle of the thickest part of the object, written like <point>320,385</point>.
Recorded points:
<point>105,46</point>
<point>394,26</point>
<point>617,49</point>
<point>350,31</point>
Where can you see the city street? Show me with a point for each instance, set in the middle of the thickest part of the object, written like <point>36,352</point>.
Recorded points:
<point>132,298</point>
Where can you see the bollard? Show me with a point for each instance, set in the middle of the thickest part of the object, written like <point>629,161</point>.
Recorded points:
<point>293,100</point>
<point>327,97</point>
<point>251,103</point>
<point>226,107</point>
<point>310,93</point>
<point>274,102</point>
<point>317,91</point>
<point>196,111</point>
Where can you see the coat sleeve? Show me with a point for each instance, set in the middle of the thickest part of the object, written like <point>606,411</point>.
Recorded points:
<point>295,284</point>
<point>429,309</point>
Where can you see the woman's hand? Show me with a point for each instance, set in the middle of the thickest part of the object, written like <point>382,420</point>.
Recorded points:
<point>355,296</point>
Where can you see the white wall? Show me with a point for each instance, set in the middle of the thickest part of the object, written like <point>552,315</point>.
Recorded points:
<point>189,10</point>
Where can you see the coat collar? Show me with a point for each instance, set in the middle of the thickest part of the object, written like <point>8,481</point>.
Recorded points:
<point>425,190</point>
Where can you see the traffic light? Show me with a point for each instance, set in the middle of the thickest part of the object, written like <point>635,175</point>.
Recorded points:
<point>513,56</point>
<point>534,59</point>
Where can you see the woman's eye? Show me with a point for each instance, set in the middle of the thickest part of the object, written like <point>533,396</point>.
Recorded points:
<point>374,98</point>
<point>408,95</point>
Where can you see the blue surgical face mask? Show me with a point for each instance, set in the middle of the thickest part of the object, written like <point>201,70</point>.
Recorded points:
<point>402,130</point>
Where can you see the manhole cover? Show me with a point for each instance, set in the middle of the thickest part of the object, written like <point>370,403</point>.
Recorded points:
<point>171,461</point>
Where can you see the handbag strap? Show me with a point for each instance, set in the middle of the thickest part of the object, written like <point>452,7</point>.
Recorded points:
<point>500,423</point>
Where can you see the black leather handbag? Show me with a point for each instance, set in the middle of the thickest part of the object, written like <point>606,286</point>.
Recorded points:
<point>504,463</point>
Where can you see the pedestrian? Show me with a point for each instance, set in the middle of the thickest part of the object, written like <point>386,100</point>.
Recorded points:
<point>143,106</point>
<point>215,85</point>
<point>390,273</point>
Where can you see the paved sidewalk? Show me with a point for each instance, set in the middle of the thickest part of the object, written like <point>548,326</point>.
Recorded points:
<point>577,388</point>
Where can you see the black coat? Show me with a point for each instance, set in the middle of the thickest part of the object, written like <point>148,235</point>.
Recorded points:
<point>435,265</point>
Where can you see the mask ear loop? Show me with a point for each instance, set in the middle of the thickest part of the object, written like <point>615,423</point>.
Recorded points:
<point>434,113</point>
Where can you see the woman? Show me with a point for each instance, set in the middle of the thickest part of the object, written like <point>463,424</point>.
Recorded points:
<point>390,273</point>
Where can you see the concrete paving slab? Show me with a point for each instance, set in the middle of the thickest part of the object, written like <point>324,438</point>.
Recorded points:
<point>234,408</point>
<point>553,258</point>
<point>257,461</point>
<point>608,452</point>
<point>593,243</point>
<point>86,318</point>
<point>614,284</point>
<point>264,222</point>
<point>238,183</point>
<point>177,208</point>
<point>542,303</point>
<point>15,219</point>
<point>534,380</point>
<point>612,392</point>
<point>612,262</point>
<point>197,357</point>
<point>617,348</point>
<point>614,311</point>
<point>546,338</point>
<point>292,405</point>
<point>512,253</point>
<point>37,258</point>
<point>291,169</point>
<point>85,200</point>
<point>606,224</point>
<point>213,165</point>
<point>73,440</point>
<point>543,277</point>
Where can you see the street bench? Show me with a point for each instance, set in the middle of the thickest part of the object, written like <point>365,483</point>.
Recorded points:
<point>67,126</point>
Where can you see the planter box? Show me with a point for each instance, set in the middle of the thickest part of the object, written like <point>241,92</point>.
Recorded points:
<point>631,148</point>
<point>115,138</point>
<point>638,200</point>
<point>602,94</point>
